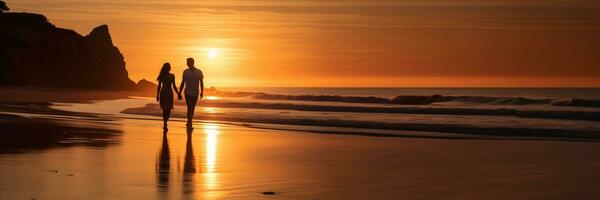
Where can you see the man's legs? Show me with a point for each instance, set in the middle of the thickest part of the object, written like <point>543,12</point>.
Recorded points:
<point>191,106</point>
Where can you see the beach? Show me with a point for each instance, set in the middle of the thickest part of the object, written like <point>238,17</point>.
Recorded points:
<point>124,156</point>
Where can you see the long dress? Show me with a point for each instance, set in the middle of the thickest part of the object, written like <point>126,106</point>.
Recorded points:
<point>166,93</point>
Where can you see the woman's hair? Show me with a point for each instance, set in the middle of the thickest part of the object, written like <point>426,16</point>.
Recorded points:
<point>164,71</point>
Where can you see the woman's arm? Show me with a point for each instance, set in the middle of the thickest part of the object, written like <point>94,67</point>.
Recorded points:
<point>175,87</point>
<point>158,91</point>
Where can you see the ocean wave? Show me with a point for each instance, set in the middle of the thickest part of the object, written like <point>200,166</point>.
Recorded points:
<point>413,99</point>
<point>408,99</point>
<point>579,103</point>
<point>543,114</point>
<point>505,130</point>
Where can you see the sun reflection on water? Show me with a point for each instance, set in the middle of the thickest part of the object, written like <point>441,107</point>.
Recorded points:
<point>210,175</point>
<point>211,146</point>
<point>210,110</point>
<point>212,98</point>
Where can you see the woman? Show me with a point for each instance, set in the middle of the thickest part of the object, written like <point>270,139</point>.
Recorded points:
<point>164,94</point>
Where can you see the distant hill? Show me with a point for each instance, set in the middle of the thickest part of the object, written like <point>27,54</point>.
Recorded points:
<point>146,86</point>
<point>34,52</point>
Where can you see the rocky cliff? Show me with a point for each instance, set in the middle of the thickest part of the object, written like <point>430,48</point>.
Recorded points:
<point>33,52</point>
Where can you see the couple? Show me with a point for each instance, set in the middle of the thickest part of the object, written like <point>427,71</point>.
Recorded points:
<point>192,82</point>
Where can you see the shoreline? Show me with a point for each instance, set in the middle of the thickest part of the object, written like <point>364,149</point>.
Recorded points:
<point>119,103</point>
<point>384,128</point>
<point>50,111</point>
<point>61,106</point>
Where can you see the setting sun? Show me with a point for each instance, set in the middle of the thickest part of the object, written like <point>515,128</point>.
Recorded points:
<point>212,53</point>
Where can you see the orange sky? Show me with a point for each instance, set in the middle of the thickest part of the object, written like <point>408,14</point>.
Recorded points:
<point>402,43</point>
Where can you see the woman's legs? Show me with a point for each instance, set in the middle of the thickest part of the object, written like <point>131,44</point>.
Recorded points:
<point>166,115</point>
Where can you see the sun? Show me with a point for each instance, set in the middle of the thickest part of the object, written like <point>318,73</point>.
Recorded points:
<point>212,53</point>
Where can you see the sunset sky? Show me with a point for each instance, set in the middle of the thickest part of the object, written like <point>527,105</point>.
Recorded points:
<point>351,43</point>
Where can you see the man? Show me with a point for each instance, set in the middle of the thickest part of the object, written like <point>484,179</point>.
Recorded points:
<point>191,78</point>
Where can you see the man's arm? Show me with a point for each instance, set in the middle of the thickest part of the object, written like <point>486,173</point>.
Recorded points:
<point>181,86</point>
<point>201,88</point>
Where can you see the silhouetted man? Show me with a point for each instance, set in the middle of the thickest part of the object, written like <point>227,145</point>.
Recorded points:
<point>191,78</point>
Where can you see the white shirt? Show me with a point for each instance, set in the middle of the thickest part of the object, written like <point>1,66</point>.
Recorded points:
<point>192,81</point>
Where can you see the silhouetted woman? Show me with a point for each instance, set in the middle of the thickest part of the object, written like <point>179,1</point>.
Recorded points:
<point>164,94</point>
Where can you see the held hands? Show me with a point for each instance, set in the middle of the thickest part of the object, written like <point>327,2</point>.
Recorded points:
<point>201,95</point>
<point>179,95</point>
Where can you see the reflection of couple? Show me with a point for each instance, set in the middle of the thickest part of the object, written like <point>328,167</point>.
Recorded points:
<point>163,164</point>
<point>192,82</point>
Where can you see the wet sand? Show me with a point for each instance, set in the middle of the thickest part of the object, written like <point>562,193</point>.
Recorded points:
<point>219,161</point>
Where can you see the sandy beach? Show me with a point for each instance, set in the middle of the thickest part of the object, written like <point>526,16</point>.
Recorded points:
<point>99,156</point>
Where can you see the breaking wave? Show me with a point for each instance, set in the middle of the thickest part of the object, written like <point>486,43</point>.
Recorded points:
<point>417,99</point>
<point>543,114</point>
<point>407,99</point>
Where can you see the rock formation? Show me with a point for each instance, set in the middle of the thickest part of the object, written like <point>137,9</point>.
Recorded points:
<point>34,52</point>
